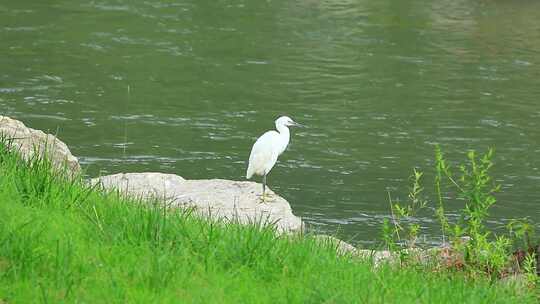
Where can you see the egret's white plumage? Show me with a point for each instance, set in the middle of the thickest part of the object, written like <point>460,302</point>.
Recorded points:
<point>268,147</point>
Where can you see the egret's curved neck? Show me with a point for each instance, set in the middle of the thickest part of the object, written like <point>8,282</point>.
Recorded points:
<point>284,135</point>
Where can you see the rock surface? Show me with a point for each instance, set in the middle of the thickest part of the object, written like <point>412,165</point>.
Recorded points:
<point>378,256</point>
<point>28,142</point>
<point>341,246</point>
<point>224,199</point>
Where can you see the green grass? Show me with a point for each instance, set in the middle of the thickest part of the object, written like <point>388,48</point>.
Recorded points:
<point>61,241</point>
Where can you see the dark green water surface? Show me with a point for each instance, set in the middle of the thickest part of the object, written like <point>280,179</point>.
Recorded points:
<point>185,87</point>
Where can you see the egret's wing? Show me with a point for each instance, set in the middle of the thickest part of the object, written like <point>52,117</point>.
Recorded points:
<point>262,157</point>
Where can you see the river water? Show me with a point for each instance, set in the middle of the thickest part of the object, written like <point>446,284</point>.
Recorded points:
<point>186,87</point>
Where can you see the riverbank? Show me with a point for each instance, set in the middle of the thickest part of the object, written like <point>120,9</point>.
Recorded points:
<point>63,240</point>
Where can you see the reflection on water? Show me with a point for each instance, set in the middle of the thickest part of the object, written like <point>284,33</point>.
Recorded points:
<point>379,83</point>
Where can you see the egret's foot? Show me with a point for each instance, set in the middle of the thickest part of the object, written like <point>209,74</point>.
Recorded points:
<point>266,198</point>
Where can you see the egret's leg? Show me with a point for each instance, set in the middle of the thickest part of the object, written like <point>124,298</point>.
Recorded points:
<point>265,197</point>
<point>264,184</point>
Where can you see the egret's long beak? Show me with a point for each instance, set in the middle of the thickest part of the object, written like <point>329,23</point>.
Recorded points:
<point>295,124</point>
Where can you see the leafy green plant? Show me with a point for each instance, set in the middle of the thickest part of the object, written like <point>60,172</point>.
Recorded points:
<point>522,232</point>
<point>483,252</point>
<point>401,230</point>
<point>473,247</point>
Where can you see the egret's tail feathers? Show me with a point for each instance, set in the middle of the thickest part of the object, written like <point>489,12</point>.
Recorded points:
<point>249,172</point>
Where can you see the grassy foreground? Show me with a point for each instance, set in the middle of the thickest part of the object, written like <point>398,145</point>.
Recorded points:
<point>61,241</point>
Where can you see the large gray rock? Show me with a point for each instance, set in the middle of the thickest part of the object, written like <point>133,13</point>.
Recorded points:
<point>342,247</point>
<point>224,199</point>
<point>377,257</point>
<point>28,142</point>
<point>145,185</point>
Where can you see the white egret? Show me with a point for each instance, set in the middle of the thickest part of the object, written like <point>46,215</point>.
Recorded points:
<point>267,148</point>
